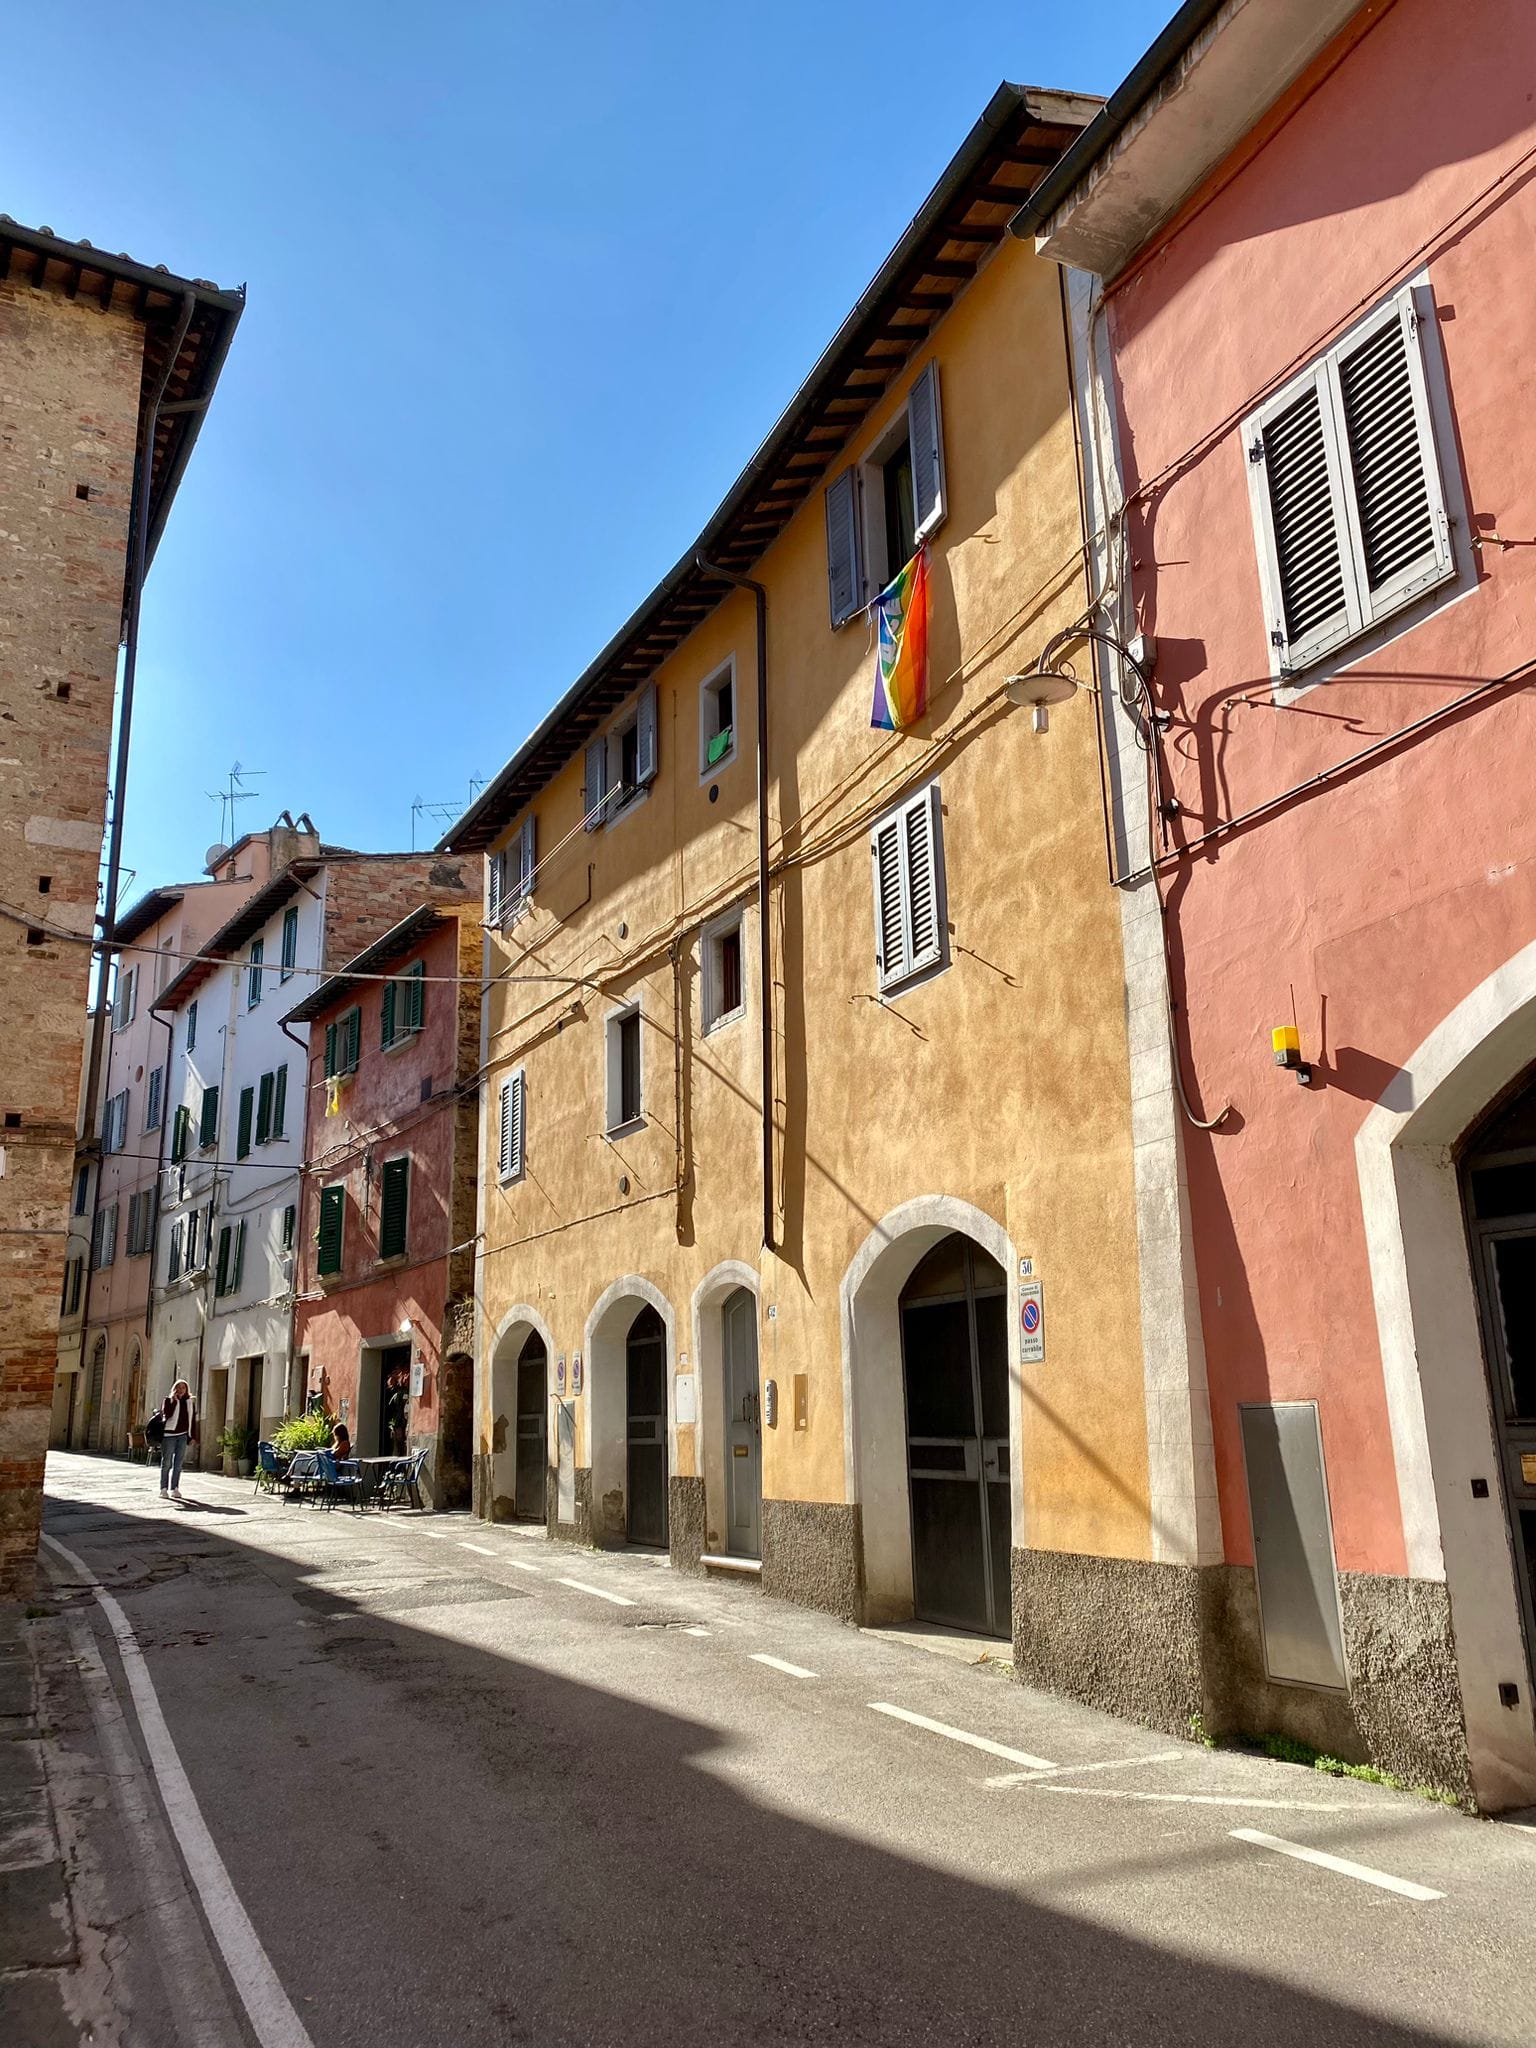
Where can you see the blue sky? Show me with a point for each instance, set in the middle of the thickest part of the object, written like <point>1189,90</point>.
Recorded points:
<point>527,286</point>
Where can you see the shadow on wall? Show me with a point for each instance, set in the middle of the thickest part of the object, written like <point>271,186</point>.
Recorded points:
<point>654,1901</point>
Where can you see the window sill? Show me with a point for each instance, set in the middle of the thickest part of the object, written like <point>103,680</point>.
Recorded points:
<point>626,1129</point>
<point>617,811</point>
<point>911,982</point>
<point>724,1023</point>
<point>399,1042</point>
<point>710,770</point>
<point>387,1262</point>
<point>511,1180</point>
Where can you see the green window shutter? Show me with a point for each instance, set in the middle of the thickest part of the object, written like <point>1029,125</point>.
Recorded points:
<point>330,1050</point>
<point>289,1219</point>
<point>253,975</point>
<point>416,996</point>
<point>393,1204</point>
<point>354,1025</point>
<point>280,1101</point>
<point>221,1275</point>
<point>290,943</point>
<point>243,1134</point>
<point>387,1015</point>
<point>208,1128</point>
<point>333,1204</point>
<point>181,1126</point>
<point>264,1109</point>
<point>237,1271</point>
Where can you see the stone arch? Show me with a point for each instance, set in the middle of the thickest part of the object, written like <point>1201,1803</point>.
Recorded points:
<point>1432,1356</point>
<point>718,1284</point>
<point>874,1418</point>
<point>603,1343</point>
<point>495,1449</point>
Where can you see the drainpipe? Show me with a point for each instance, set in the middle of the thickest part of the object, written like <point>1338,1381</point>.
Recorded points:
<point>764,937</point>
<point>138,564</point>
<point>165,1098</point>
<point>298,1221</point>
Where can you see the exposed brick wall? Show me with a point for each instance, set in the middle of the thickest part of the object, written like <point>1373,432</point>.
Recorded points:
<point>69,390</point>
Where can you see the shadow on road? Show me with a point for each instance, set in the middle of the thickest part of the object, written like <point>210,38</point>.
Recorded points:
<point>440,1843</point>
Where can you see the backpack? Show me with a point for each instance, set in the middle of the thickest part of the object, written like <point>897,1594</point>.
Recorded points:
<point>154,1429</point>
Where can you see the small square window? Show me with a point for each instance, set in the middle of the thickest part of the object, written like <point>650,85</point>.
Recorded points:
<point>724,986</point>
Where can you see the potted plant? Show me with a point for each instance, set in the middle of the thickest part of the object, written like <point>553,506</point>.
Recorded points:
<point>238,1445</point>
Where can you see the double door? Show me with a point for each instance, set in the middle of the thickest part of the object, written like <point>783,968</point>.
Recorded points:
<point>954,1343</point>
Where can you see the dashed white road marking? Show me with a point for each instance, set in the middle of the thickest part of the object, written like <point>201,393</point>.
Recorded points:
<point>432,1535</point>
<point>1114,1763</point>
<point>598,1592</point>
<point>778,1664</point>
<point>1011,1756</point>
<point>518,1565</point>
<point>1210,1799</point>
<point>1382,1879</point>
<point>478,1548</point>
<point>693,1631</point>
<point>273,2019</point>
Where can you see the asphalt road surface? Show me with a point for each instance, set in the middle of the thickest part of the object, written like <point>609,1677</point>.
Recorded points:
<point>468,1787</point>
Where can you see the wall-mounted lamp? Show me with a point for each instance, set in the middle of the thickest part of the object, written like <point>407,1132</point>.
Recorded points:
<point>405,1327</point>
<point>1285,1043</point>
<point>1040,688</point>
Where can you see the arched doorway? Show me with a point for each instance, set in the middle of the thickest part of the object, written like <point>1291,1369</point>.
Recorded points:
<point>452,1481</point>
<point>954,1357</point>
<point>133,1413</point>
<point>645,1404</point>
<point>499,1483</point>
<point>93,1395</point>
<point>743,1425</point>
<point>530,1478</point>
<point>1498,1182</point>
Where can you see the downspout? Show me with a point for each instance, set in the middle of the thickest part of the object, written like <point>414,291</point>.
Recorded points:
<point>298,1223</point>
<point>138,564</point>
<point>764,936</point>
<point>165,1097</point>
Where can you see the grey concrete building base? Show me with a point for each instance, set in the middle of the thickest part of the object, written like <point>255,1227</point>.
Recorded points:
<point>1114,1632</point>
<point>686,1522</point>
<point>579,1530</point>
<point>813,1552</point>
<point>1162,1644</point>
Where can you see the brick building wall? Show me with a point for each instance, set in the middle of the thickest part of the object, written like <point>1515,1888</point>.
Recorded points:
<point>69,395</point>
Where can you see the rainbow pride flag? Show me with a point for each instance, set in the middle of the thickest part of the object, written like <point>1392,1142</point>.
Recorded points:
<point>901,657</point>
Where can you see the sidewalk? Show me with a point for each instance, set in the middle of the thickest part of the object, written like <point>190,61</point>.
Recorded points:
<point>55,1976</point>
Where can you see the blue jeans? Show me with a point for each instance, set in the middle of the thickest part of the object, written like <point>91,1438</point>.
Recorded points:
<point>172,1450</point>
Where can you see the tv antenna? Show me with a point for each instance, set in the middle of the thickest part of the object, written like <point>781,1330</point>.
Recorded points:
<point>234,792</point>
<point>443,813</point>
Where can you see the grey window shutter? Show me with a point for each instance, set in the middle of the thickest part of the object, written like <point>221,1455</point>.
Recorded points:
<point>495,887</point>
<point>596,796</point>
<point>1399,505</point>
<point>845,566</point>
<point>926,433</point>
<point>526,862</point>
<point>280,1101</point>
<point>173,1258</point>
<point>925,931</point>
<point>519,1086</point>
<point>645,736</point>
<point>504,1131</point>
<point>1305,508</point>
<point>890,920</point>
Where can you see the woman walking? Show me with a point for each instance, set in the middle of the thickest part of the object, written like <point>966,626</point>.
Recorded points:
<point>178,1412</point>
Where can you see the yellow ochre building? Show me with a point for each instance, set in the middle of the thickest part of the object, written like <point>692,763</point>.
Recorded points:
<point>881,1347</point>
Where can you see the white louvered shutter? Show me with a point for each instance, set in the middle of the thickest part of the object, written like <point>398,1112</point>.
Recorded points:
<point>526,861</point>
<point>645,737</point>
<point>495,887</point>
<point>510,1132</point>
<point>519,1108</point>
<point>920,852</point>
<point>890,901</point>
<point>1402,534</point>
<point>845,567</point>
<point>595,800</point>
<point>1348,502</point>
<point>926,434</point>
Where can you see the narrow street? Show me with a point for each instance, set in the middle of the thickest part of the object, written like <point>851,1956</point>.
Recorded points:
<point>471,1787</point>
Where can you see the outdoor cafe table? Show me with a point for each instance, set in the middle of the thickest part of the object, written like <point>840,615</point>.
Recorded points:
<point>373,1471</point>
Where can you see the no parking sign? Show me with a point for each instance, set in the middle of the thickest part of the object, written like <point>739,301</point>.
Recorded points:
<point>1031,1323</point>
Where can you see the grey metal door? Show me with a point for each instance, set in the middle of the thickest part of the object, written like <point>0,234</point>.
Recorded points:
<point>954,1348</point>
<point>743,1427</point>
<point>530,1472</point>
<point>645,1374</point>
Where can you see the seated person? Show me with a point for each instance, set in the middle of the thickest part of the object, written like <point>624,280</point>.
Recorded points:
<point>340,1445</point>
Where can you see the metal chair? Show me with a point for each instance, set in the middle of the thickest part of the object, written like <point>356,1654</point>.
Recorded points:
<point>270,1469</point>
<point>346,1483</point>
<point>398,1487</point>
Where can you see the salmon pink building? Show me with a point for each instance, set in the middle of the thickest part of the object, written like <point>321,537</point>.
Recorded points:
<point>1300,246</point>
<point>384,1313</point>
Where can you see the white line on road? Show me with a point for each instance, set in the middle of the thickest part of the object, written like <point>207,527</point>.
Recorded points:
<point>598,1592</point>
<point>1210,1799</point>
<point>272,2018</point>
<point>1382,1879</point>
<point>432,1535</point>
<point>1114,1763</point>
<point>1011,1756</point>
<point>478,1548</point>
<point>778,1664</point>
<point>518,1566</point>
<point>694,1631</point>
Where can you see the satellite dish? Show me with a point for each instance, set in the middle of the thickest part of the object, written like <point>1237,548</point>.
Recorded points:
<point>217,852</point>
